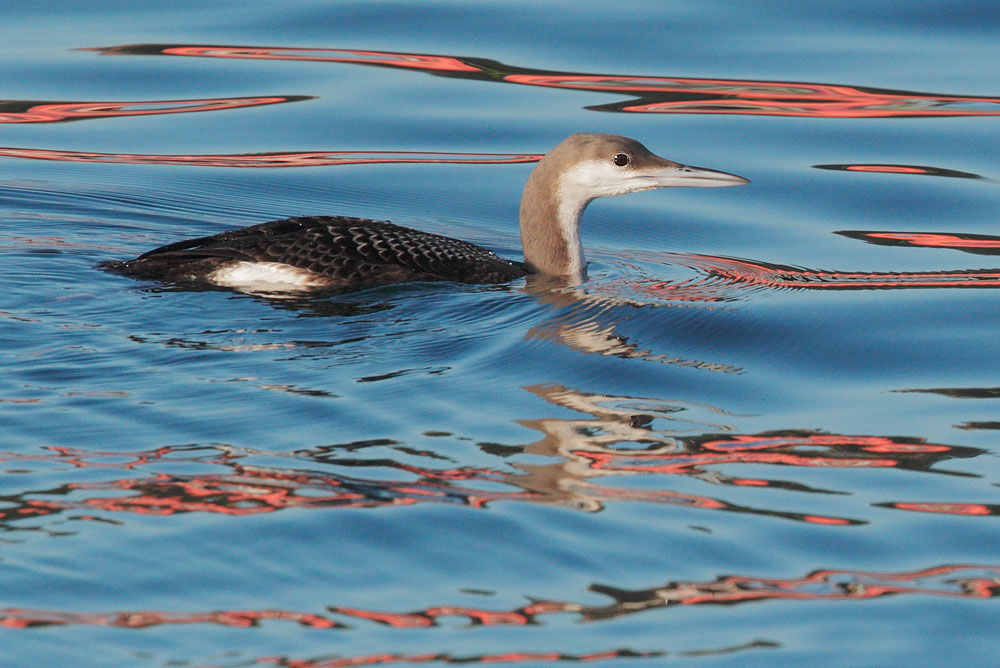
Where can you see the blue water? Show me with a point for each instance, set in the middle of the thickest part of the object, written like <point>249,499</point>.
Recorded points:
<point>763,433</point>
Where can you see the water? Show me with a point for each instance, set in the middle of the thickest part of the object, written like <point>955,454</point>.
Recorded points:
<point>763,433</point>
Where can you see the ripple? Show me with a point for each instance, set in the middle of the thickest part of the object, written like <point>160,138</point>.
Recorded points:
<point>723,278</point>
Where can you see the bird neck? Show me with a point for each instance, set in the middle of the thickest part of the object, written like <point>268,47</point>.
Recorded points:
<point>550,226</point>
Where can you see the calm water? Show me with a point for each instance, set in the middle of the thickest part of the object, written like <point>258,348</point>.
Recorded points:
<point>764,433</point>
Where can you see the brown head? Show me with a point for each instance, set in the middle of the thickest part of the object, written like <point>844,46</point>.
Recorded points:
<point>582,167</point>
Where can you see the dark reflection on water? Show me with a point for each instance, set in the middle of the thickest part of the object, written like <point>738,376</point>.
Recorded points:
<point>962,392</point>
<point>724,276</point>
<point>980,244</point>
<point>14,618</point>
<point>978,425</point>
<point>948,508</point>
<point>917,170</point>
<point>621,439</point>
<point>588,320</point>
<point>976,581</point>
<point>622,436</point>
<point>502,657</point>
<point>34,111</point>
<point>960,581</point>
<point>293,159</point>
<point>653,94</point>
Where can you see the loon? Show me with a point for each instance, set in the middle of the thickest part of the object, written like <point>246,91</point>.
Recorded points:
<point>350,254</point>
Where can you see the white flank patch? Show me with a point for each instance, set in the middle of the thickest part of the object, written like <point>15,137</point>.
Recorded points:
<point>263,276</point>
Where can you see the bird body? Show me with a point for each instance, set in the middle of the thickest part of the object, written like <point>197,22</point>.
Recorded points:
<point>354,253</point>
<point>321,252</point>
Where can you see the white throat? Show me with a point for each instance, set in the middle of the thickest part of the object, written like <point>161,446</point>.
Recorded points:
<point>578,186</point>
<point>568,217</point>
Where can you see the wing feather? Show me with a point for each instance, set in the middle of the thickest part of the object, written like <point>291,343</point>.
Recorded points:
<point>349,250</point>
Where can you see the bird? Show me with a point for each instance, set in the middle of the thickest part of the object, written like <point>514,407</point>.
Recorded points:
<point>350,254</point>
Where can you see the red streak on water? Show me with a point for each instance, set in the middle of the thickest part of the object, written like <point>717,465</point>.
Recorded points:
<point>890,169</point>
<point>411,60</point>
<point>935,240</point>
<point>71,111</point>
<point>296,159</point>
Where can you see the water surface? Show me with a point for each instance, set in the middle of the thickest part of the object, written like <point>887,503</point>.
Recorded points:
<point>764,432</point>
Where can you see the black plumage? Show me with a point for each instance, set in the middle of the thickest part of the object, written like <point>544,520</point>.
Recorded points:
<point>341,253</point>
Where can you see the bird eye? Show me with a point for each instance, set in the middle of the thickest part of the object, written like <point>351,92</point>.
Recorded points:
<point>622,159</point>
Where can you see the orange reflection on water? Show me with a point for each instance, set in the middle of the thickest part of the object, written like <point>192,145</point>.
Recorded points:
<point>981,244</point>
<point>934,240</point>
<point>662,95</point>
<point>20,618</point>
<point>623,436</point>
<point>971,509</point>
<point>251,490</point>
<point>971,581</point>
<point>644,436</point>
<point>958,581</point>
<point>240,490</point>
<point>294,159</point>
<point>888,169</point>
<point>506,657</point>
<point>248,490</point>
<point>788,449</point>
<point>655,94</point>
<point>611,437</point>
<point>15,111</point>
<point>413,60</point>
<point>722,274</point>
<point>921,170</point>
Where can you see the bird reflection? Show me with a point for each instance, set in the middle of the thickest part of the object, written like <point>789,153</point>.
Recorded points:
<point>586,320</point>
